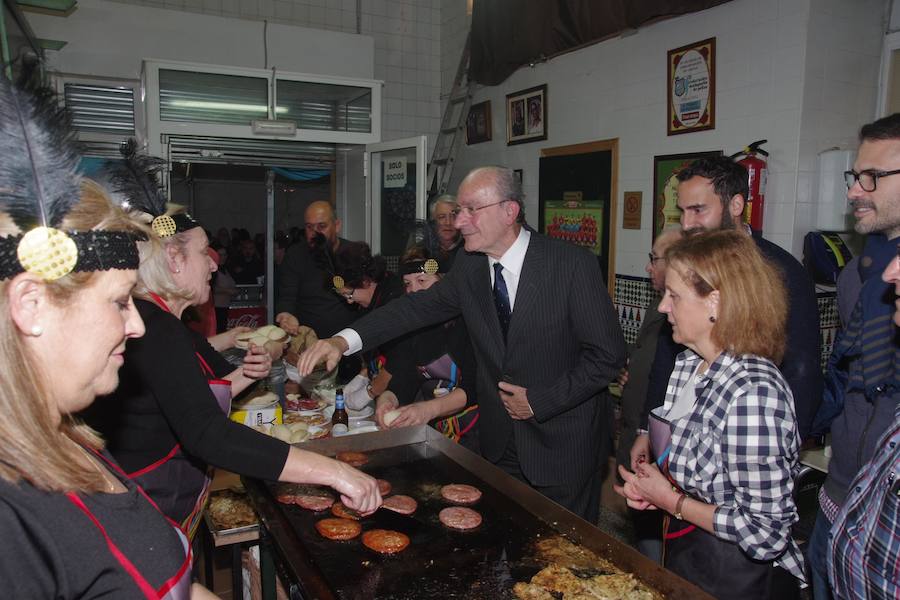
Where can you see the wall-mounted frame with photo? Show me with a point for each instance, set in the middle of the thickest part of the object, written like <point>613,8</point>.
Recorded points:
<point>665,187</point>
<point>691,87</point>
<point>478,123</point>
<point>576,202</point>
<point>526,116</point>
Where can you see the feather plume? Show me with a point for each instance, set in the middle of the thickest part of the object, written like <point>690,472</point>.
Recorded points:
<point>136,178</point>
<point>39,179</point>
<point>422,233</point>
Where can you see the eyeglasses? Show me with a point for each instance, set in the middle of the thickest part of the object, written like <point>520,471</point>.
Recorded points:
<point>654,258</point>
<point>471,210</point>
<point>868,179</point>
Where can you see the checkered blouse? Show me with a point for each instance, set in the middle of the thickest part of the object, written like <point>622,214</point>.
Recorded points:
<point>736,449</point>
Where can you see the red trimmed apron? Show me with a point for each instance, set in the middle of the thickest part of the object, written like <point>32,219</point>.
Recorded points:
<point>177,587</point>
<point>717,566</point>
<point>180,482</point>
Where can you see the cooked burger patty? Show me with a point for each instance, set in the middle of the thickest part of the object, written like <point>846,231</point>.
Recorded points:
<point>401,504</point>
<point>385,541</point>
<point>459,517</point>
<point>338,529</point>
<point>355,459</point>
<point>459,493</point>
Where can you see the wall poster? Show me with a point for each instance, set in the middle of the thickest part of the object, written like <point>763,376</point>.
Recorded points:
<point>691,87</point>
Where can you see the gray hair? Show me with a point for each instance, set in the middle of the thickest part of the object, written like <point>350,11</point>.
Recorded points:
<point>443,199</point>
<point>153,274</point>
<point>506,186</point>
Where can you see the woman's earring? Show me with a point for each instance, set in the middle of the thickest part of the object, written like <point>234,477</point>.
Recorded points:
<point>36,330</point>
<point>712,319</point>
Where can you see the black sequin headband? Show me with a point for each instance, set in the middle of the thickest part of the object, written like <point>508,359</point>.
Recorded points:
<point>52,253</point>
<point>430,266</point>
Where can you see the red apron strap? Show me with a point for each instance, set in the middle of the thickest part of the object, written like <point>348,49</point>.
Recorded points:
<point>157,464</point>
<point>142,583</point>
<point>206,368</point>
<point>160,302</point>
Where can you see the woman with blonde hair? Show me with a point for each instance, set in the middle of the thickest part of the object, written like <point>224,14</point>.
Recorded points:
<point>73,524</point>
<point>724,477</point>
<point>168,421</point>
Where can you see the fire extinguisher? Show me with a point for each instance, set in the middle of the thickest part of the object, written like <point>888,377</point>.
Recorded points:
<point>754,160</point>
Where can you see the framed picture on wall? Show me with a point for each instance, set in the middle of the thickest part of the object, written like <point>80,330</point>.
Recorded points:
<point>526,116</point>
<point>691,87</point>
<point>665,186</point>
<point>478,123</point>
<point>576,192</point>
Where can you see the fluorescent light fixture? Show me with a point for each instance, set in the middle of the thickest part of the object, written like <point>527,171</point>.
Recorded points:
<point>266,127</point>
<point>256,108</point>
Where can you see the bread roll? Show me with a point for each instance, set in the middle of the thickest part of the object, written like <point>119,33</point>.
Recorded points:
<point>391,416</point>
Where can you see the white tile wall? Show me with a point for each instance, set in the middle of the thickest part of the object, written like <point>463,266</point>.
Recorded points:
<point>407,35</point>
<point>843,53</point>
<point>800,73</point>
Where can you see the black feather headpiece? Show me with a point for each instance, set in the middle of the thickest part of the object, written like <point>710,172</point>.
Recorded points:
<point>424,237</point>
<point>136,178</point>
<point>39,185</point>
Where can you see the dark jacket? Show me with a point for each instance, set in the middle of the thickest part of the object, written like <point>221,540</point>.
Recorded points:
<point>303,293</point>
<point>564,345</point>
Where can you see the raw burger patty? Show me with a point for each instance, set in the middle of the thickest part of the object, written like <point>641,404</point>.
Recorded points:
<point>338,529</point>
<point>339,510</point>
<point>310,497</point>
<point>459,517</point>
<point>384,487</point>
<point>401,504</point>
<point>385,541</point>
<point>459,493</point>
<point>355,459</point>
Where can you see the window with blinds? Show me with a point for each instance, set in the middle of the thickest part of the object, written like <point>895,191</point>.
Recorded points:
<point>101,109</point>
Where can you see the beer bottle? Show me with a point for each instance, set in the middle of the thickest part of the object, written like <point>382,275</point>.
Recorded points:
<point>340,420</point>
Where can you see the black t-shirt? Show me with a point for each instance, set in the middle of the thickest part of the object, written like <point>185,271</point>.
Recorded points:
<point>51,549</point>
<point>164,399</point>
<point>303,291</point>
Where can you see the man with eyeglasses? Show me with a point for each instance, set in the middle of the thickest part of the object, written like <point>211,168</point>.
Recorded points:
<point>303,296</point>
<point>863,372</point>
<point>443,216</point>
<point>546,339</point>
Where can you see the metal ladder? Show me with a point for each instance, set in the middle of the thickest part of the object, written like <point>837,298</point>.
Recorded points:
<point>453,129</point>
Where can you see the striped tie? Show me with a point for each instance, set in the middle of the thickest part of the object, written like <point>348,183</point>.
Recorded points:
<point>501,299</point>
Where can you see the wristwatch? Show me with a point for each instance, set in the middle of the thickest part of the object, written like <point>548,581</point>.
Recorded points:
<point>679,505</point>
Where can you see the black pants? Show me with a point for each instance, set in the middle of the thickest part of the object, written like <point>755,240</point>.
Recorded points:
<point>582,497</point>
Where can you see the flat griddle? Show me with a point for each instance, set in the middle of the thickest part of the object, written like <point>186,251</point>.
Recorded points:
<point>439,563</point>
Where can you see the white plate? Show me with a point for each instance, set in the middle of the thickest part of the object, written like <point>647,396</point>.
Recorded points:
<point>355,415</point>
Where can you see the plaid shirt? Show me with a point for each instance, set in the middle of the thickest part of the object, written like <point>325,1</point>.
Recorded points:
<point>864,557</point>
<point>736,449</point>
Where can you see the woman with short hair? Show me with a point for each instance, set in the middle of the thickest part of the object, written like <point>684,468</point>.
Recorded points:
<point>168,421</point>
<point>725,477</point>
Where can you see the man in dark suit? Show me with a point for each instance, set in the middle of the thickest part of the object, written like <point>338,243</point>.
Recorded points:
<point>545,335</point>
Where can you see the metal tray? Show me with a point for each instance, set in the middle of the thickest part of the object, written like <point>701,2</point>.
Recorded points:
<point>484,563</point>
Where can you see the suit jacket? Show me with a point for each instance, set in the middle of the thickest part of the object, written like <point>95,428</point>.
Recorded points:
<point>564,345</point>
